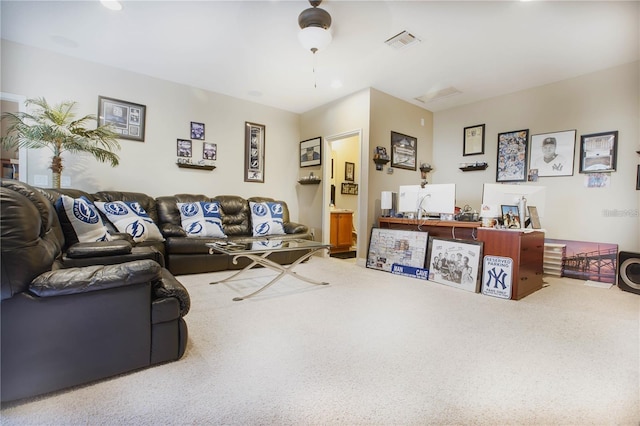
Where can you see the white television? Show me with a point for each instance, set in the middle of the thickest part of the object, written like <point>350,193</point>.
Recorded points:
<point>432,200</point>
<point>495,195</point>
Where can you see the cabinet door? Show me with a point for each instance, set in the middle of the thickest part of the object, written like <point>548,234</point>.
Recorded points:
<point>334,229</point>
<point>344,229</point>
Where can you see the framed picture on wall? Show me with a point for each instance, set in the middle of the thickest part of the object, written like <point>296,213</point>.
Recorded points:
<point>473,143</point>
<point>552,153</point>
<point>127,119</point>
<point>311,152</point>
<point>512,156</point>
<point>209,151</point>
<point>598,152</point>
<point>254,140</point>
<point>403,151</point>
<point>184,148</point>
<point>349,171</point>
<point>197,130</point>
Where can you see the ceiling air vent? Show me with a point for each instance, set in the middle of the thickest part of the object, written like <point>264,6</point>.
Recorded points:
<point>402,40</point>
<point>438,94</point>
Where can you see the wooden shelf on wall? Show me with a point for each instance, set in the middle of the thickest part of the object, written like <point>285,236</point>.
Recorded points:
<point>474,168</point>
<point>310,182</point>
<point>195,166</point>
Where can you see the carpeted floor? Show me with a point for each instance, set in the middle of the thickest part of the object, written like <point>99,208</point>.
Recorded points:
<point>376,349</point>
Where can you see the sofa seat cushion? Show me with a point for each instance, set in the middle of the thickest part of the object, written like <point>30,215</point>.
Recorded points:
<point>130,217</point>
<point>80,220</point>
<point>183,245</point>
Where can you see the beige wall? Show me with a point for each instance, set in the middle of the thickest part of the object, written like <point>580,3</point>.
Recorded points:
<point>346,117</point>
<point>150,166</point>
<point>603,101</point>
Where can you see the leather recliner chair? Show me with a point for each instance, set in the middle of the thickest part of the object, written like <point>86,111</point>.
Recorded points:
<point>62,327</point>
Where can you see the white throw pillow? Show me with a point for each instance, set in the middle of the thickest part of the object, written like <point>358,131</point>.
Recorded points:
<point>266,218</point>
<point>201,219</point>
<point>80,220</point>
<point>130,217</point>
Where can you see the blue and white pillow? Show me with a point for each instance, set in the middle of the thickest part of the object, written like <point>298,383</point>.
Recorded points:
<point>201,219</point>
<point>266,218</point>
<point>130,217</point>
<point>80,220</point>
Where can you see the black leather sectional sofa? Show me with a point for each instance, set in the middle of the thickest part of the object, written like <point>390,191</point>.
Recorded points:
<point>72,313</point>
<point>189,255</point>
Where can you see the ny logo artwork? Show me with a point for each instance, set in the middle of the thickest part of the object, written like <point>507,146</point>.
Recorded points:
<point>497,277</point>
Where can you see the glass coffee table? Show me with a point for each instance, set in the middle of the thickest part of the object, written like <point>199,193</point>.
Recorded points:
<point>259,251</point>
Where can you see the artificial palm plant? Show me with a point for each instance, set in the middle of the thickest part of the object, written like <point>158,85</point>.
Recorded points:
<point>55,127</point>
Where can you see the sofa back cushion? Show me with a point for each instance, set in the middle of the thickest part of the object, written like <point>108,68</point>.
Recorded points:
<point>235,215</point>
<point>30,233</point>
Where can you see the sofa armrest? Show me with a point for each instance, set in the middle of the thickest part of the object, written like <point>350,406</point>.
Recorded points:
<point>295,228</point>
<point>94,278</point>
<point>172,230</point>
<point>97,249</point>
<point>169,286</point>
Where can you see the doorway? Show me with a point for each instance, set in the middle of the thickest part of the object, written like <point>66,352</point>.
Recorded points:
<point>342,193</point>
<point>14,161</point>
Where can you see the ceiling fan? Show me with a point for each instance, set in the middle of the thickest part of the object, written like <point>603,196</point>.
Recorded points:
<point>314,24</point>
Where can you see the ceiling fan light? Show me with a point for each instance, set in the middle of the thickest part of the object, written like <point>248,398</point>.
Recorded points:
<point>314,38</point>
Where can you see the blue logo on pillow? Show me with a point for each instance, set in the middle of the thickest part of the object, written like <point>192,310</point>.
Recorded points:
<point>136,229</point>
<point>118,209</point>
<point>189,209</point>
<point>137,208</point>
<point>260,209</point>
<point>194,228</point>
<point>84,212</point>
<point>211,209</point>
<point>276,209</point>
<point>263,228</point>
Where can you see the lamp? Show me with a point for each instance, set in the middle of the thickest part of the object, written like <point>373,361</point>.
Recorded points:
<point>314,24</point>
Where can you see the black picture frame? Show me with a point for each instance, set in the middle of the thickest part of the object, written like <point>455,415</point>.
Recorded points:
<point>349,188</point>
<point>404,150</point>
<point>184,148</point>
<point>512,156</point>
<point>197,130</point>
<point>534,218</point>
<point>209,151</point>
<point>561,164</point>
<point>127,119</point>
<point>311,152</point>
<point>638,178</point>
<point>455,272</point>
<point>473,142</point>
<point>510,216</point>
<point>349,171</point>
<point>598,152</point>
<point>254,152</point>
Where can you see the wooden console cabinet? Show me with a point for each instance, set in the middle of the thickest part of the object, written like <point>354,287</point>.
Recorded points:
<point>527,251</point>
<point>341,228</point>
<point>525,248</point>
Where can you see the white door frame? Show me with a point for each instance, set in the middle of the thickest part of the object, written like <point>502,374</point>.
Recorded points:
<point>326,186</point>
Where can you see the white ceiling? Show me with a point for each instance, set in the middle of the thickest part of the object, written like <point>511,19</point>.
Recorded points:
<point>250,50</point>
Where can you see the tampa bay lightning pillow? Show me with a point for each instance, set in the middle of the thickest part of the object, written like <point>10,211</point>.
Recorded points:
<point>201,219</point>
<point>266,218</point>
<point>130,217</point>
<point>80,220</point>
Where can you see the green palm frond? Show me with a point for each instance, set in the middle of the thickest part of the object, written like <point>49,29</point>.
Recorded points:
<point>55,127</point>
